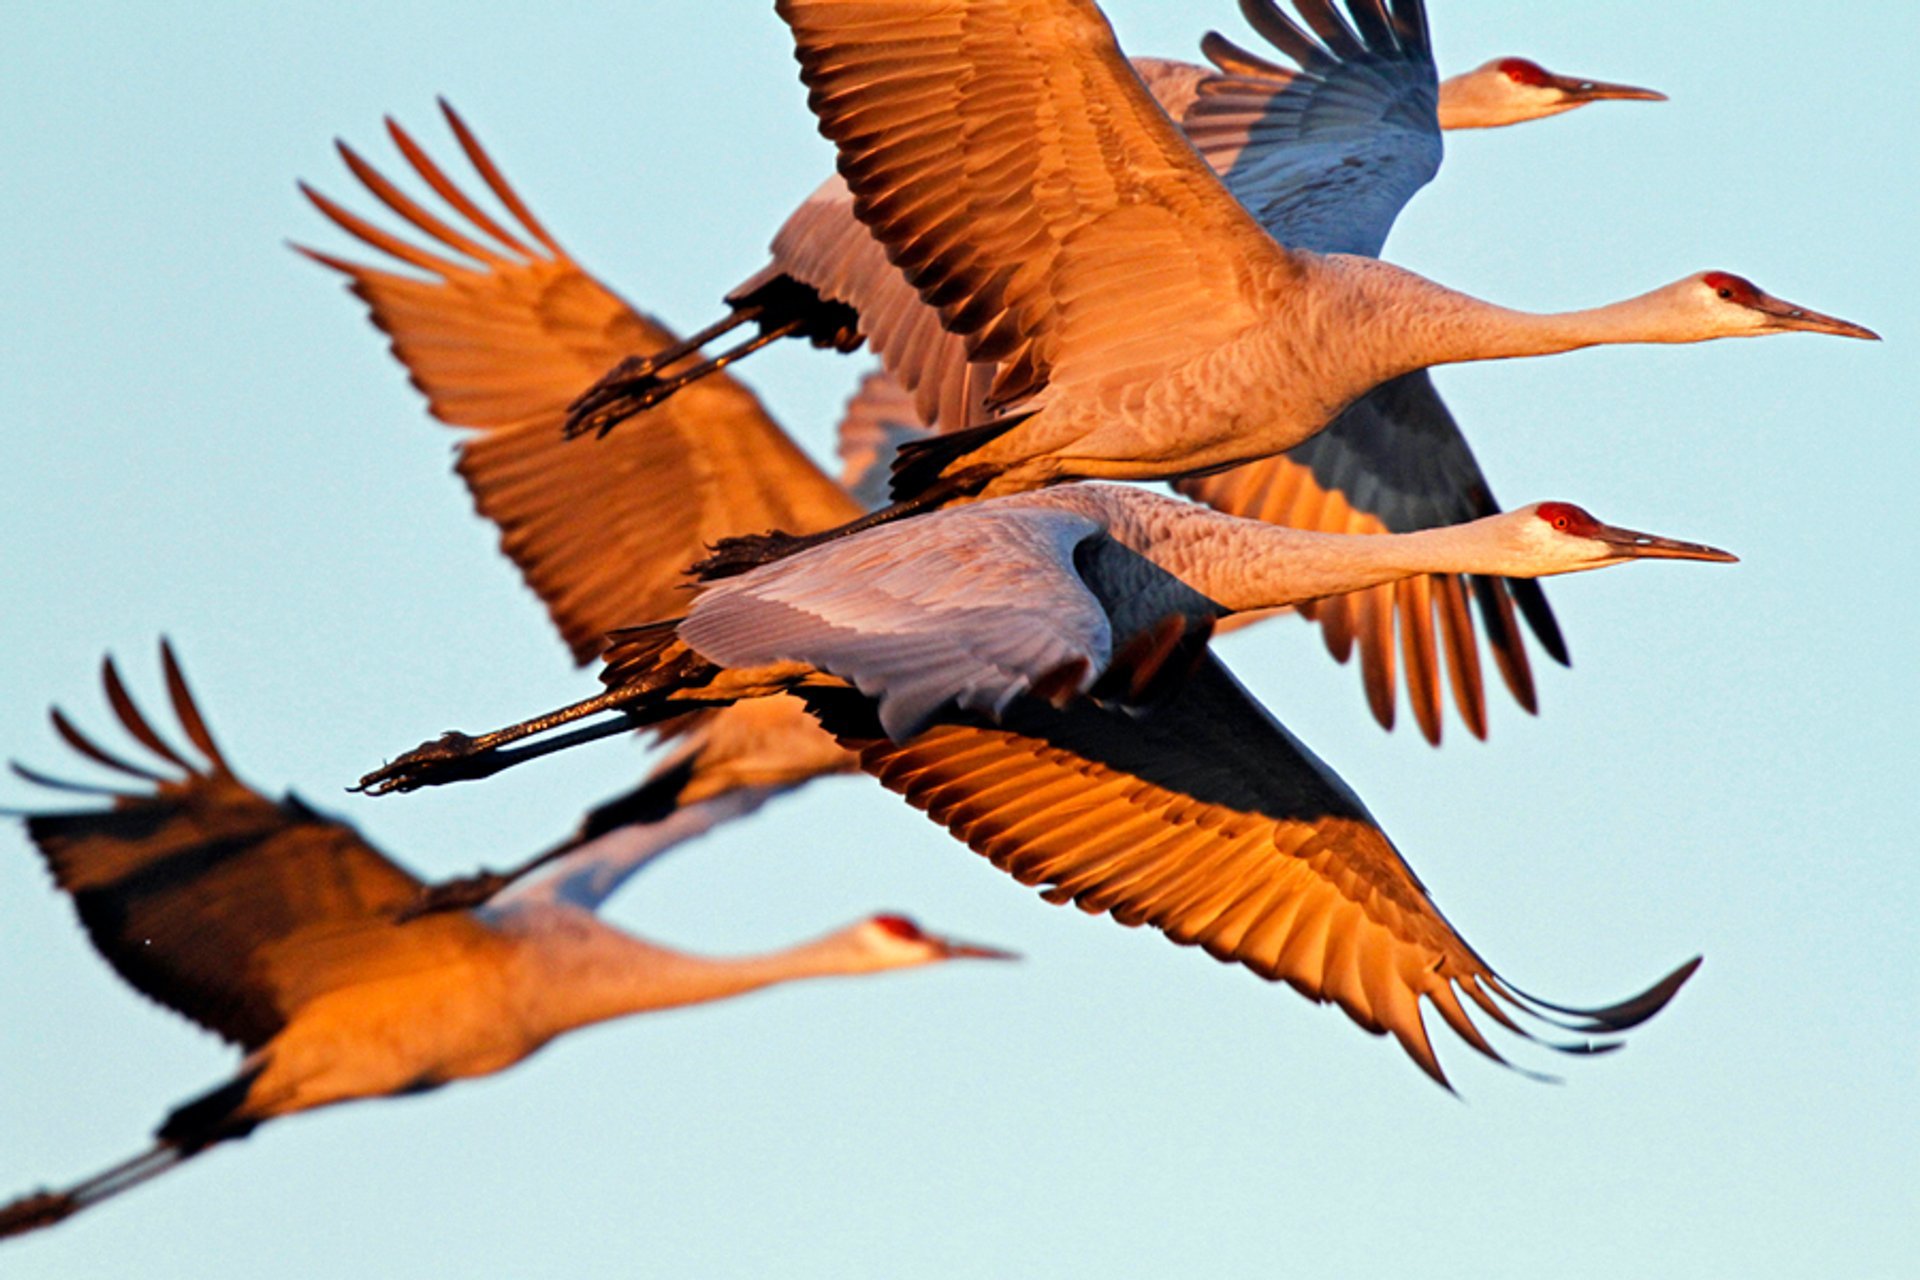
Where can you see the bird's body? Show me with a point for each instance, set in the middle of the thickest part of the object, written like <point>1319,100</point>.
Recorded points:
<point>1025,670</point>
<point>1056,594</point>
<point>282,931</point>
<point>1143,322</point>
<point>1321,134</point>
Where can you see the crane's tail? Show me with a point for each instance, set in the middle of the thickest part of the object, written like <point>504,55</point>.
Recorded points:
<point>44,1208</point>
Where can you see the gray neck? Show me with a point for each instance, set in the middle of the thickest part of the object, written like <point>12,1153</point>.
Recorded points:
<point>1248,564</point>
<point>1412,323</point>
<point>578,971</point>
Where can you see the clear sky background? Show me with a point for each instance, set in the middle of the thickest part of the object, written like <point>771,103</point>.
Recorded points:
<point>203,437</point>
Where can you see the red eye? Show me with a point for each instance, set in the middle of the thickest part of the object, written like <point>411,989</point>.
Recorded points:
<point>900,927</point>
<point>1564,517</point>
<point>1520,71</point>
<point>1731,287</point>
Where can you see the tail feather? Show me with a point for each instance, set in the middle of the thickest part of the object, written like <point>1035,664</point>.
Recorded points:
<point>213,1116</point>
<point>633,654</point>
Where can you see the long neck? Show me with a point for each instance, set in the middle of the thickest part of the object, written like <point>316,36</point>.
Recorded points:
<point>1248,564</point>
<point>580,971</point>
<point>1412,323</point>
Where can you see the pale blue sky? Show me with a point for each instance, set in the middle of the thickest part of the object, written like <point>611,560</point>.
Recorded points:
<point>205,438</point>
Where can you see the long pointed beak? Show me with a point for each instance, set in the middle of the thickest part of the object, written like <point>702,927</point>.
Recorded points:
<point>1648,546</point>
<point>952,950</point>
<point>1601,91</point>
<point>1787,315</point>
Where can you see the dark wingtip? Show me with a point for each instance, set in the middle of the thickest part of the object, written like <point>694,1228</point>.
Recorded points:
<point>1631,1012</point>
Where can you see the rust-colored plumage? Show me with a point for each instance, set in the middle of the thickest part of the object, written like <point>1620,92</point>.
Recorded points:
<point>1202,817</point>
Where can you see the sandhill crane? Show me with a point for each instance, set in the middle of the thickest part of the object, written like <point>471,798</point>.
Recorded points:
<point>1168,797</point>
<point>831,282</point>
<point>508,323</point>
<point>274,927</point>
<point>1288,144</point>
<point>1142,324</point>
<point>1080,589</point>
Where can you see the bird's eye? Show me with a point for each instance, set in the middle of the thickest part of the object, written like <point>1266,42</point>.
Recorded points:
<point>900,927</point>
<point>1726,293</point>
<point>1560,522</point>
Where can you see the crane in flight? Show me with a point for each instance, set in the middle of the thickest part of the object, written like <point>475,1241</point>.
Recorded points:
<point>829,280</point>
<point>1079,590</point>
<point>1141,323</point>
<point>275,927</point>
<point>495,323</point>
<point>1032,670</point>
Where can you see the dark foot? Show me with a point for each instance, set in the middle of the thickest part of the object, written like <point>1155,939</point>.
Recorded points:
<point>452,757</point>
<point>462,894</point>
<point>731,557</point>
<point>31,1212</point>
<point>619,394</point>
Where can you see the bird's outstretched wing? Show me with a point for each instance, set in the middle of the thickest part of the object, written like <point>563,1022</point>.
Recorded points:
<point>1327,152</point>
<point>501,332</point>
<point>971,604</point>
<point>1023,179</point>
<point>1206,819</point>
<point>194,886</point>
<point>1395,462</point>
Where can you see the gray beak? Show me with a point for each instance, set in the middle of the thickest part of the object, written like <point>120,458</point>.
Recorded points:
<point>1786,315</point>
<point>952,950</point>
<point>1584,91</point>
<point>1647,546</point>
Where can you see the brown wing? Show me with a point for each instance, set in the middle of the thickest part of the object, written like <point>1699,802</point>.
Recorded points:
<point>1209,821</point>
<point>500,337</point>
<point>1392,463</point>
<point>1022,177</point>
<point>824,246</point>
<point>191,885</point>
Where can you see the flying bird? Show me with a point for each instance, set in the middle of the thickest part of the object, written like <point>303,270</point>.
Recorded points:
<point>1030,672</point>
<point>1141,323</point>
<point>275,927</point>
<point>1324,155</point>
<point>830,281</point>
<point>1090,589</point>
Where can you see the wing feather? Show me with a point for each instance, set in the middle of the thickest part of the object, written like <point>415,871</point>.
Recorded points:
<point>1002,151</point>
<point>500,340</point>
<point>199,891</point>
<point>1395,462</point>
<point>1203,818</point>
<point>954,606</point>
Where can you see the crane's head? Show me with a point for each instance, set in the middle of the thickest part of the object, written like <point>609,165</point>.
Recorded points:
<point>1510,90</point>
<point>1719,304</point>
<point>1559,537</point>
<point>891,941</point>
